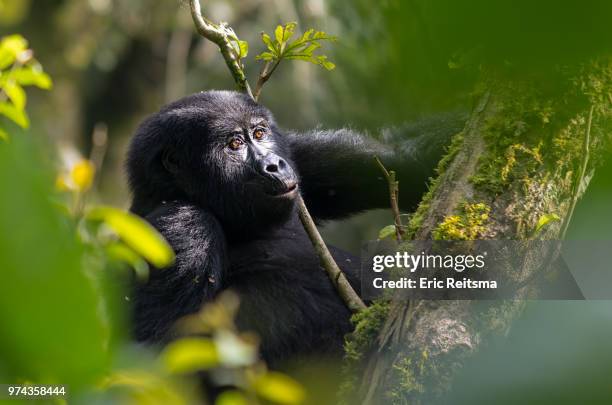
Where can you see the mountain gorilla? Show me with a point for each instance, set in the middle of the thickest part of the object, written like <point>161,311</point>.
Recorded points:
<point>218,178</point>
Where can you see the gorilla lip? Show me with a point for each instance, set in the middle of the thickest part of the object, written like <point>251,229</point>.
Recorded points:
<point>291,187</point>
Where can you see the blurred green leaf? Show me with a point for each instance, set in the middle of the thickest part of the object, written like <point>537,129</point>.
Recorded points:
<point>31,76</point>
<point>4,135</point>
<point>136,233</point>
<point>386,232</point>
<point>18,116</point>
<point>188,355</point>
<point>120,252</point>
<point>15,93</point>
<point>231,397</point>
<point>51,316</point>
<point>279,388</point>
<point>234,350</point>
<point>10,47</point>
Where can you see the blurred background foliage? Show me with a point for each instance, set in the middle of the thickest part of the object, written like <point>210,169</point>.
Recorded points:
<point>115,61</point>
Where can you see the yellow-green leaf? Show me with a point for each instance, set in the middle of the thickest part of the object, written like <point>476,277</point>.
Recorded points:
<point>136,233</point>
<point>268,41</point>
<point>231,397</point>
<point>4,135</point>
<point>18,116</point>
<point>283,33</point>
<point>387,232</point>
<point>265,56</point>
<point>244,48</point>
<point>10,47</point>
<point>120,252</point>
<point>32,76</point>
<point>190,354</point>
<point>16,94</point>
<point>279,388</point>
<point>546,219</point>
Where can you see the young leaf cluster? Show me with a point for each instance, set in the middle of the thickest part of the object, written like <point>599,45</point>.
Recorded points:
<point>18,69</point>
<point>303,48</point>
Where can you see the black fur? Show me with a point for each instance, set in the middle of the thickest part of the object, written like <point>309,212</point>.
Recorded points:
<point>229,215</point>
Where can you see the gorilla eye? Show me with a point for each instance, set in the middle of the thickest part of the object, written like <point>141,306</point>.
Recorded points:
<point>258,133</point>
<point>235,144</point>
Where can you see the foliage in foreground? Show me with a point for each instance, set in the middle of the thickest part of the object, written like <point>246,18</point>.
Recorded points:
<point>62,302</point>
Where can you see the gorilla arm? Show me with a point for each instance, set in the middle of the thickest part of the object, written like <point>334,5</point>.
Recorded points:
<point>339,176</point>
<point>197,275</point>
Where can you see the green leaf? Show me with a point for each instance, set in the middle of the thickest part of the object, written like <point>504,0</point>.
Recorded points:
<point>10,47</point>
<point>387,232</point>
<point>120,252</point>
<point>268,41</point>
<point>265,56</point>
<point>231,397</point>
<point>320,60</point>
<point>546,219</point>
<point>18,116</point>
<point>283,33</point>
<point>136,233</point>
<point>244,48</point>
<point>4,135</point>
<point>32,76</point>
<point>188,355</point>
<point>16,93</point>
<point>279,388</point>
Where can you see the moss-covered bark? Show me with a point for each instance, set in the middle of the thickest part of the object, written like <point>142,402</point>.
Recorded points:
<point>523,159</point>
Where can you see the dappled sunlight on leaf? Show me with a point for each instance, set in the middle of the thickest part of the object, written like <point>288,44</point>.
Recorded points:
<point>136,233</point>
<point>279,388</point>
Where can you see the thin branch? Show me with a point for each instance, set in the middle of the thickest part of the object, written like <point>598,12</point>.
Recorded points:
<point>265,74</point>
<point>344,288</point>
<point>393,196</point>
<point>582,174</point>
<point>219,34</point>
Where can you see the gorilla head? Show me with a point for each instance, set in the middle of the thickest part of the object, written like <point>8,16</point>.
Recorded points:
<point>219,150</point>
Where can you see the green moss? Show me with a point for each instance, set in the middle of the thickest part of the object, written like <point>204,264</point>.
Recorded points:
<point>514,137</point>
<point>368,323</point>
<point>417,218</point>
<point>469,224</point>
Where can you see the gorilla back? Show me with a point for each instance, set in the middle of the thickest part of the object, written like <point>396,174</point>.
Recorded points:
<point>216,176</point>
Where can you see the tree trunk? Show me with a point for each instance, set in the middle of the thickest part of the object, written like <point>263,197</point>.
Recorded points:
<point>525,155</point>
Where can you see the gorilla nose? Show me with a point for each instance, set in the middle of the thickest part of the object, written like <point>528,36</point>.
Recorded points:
<point>274,164</point>
<point>275,167</point>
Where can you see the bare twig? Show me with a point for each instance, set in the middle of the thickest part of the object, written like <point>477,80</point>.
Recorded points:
<point>265,74</point>
<point>219,34</point>
<point>393,196</point>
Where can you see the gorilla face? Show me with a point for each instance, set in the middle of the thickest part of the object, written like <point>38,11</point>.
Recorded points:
<point>219,150</point>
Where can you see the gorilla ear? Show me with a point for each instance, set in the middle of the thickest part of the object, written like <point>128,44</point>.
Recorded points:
<point>170,161</point>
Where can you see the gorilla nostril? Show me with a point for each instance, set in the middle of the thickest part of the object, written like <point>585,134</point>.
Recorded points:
<point>282,163</point>
<point>272,168</point>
